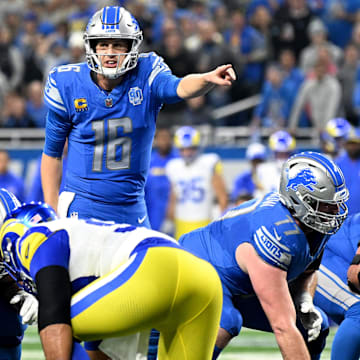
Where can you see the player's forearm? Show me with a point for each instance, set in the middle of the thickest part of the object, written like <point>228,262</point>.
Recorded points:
<point>305,284</point>
<point>194,85</point>
<point>56,341</point>
<point>291,344</point>
<point>51,172</point>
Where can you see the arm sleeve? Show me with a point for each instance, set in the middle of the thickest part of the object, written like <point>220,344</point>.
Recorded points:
<point>56,132</point>
<point>163,83</point>
<point>267,245</point>
<point>54,295</point>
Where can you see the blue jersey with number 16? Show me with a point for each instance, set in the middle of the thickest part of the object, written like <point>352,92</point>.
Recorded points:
<point>110,134</point>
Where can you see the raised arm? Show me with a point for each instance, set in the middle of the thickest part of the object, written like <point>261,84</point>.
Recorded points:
<point>194,85</point>
<point>272,290</point>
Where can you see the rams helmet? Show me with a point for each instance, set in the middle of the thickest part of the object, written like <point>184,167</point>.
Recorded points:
<point>282,141</point>
<point>27,215</point>
<point>187,137</point>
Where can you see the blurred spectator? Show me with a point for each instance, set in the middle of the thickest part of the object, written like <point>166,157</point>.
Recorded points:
<point>175,54</point>
<point>347,77</point>
<point>9,180</point>
<point>168,10</point>
<point>211,51</point>
<point>271,111</point>
<point>11,60</point>
<point>339,16</point>
<point>279,92</point>
<point>197,112</point>
<point>349,163</point>
<point>261,21</point>
<point>28,41</point>
<point>282,145</point>
<point>14,112</point>
<point>200,10</point>
<point>250,50</point>
<point>355,39</point>
<point>76,48</point>
<point>246,185</point>
<point>180,61</point>
<point>356,95</point>
<point>293,77</point>
<point>221,17</point>
<point>11,15</point>
<point>332,138</point>
<point>35,106</point>
<point>290,23</point>
<point>79,18</point>
<point>320,96</point>
<point>157,188</point>
<point>309,55</point>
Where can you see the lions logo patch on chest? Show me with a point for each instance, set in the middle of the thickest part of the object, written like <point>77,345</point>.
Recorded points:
<point>135,96</point>
<point>305,177</point>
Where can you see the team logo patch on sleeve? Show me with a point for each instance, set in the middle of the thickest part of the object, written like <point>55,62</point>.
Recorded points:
<point>305,177</point>
<point>270,248</point>
<point>135,96</point>
<point>81,105</point>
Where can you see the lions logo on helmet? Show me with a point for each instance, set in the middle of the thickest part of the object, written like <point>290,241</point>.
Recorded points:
<point>310,180</point>
<point>112,22</point>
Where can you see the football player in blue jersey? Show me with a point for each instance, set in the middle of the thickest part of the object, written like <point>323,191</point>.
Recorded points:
<point>107,108</point>
<point>101,280</point>
<point>269,245</point>
<point>338,289</point>
<point>17,308</point>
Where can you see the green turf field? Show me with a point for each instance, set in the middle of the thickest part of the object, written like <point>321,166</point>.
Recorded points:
<point>250,345</point>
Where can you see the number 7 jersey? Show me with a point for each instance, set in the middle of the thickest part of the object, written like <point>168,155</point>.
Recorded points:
<point>110,134</point>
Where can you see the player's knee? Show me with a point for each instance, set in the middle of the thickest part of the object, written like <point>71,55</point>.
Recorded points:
<point>231,321</point>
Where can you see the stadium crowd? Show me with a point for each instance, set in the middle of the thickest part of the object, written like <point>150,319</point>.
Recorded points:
<point>286,50</point>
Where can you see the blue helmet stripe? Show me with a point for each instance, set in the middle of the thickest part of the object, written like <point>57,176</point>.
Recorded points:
<point>8,200</point>
<point>336,175</point>
<point>110,17</point>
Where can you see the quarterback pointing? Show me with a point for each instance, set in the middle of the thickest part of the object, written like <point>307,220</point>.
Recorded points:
<point>95,280</point>
<point>107,108</point>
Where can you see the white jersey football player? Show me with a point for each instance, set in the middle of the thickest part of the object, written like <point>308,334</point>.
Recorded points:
<point>268,173</point>
<point>196,181</point>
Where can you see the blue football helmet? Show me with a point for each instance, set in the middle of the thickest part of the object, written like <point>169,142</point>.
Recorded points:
<point>313,188</point>
<point>33,213</point>
<point>8,203</point>
<point>27,215</point>
<point>112,22</point>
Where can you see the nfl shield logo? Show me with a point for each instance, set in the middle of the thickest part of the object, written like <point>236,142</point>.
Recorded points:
<point>135,96</point>
<point>109,102</point>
